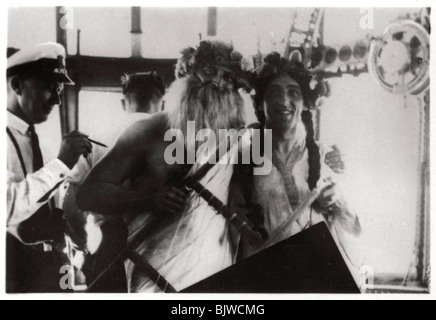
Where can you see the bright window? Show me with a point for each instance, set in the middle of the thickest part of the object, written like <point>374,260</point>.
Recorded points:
<point>379,135</point>
<point>167,31</point>
<point>50,135</point>
<point>101,115</point>
<point>105,32</point>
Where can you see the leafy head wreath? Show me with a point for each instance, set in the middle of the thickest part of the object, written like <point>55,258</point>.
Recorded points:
<point>313,88</point>
<point>215,53</point>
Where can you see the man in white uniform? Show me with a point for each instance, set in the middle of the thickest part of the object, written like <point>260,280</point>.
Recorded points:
<point>35,79</point>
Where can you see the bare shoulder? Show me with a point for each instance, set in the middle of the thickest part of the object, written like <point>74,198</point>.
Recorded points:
<point>149,127</point>
<point>144,132</point>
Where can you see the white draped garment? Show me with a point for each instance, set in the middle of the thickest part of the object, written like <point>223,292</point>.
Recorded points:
<point>194,247</point>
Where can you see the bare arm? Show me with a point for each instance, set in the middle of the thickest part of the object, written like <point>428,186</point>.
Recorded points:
<point>103,191</point>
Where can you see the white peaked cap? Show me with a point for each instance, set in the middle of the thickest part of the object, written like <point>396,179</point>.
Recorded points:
<point>47,59</point>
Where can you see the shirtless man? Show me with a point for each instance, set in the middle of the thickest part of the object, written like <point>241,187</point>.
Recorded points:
<point>197,244</point>
<point>142,97</point>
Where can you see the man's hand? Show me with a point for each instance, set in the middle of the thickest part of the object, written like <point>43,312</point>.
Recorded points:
<point>333,204</point>
<point>73,146</point>
<point>329,198</point>
<point>334,160</point>
<point>171,200</point>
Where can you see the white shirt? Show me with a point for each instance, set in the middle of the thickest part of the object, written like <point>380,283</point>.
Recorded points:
<point>24,192</point>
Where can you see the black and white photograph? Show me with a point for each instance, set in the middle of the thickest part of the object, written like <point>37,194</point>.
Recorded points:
<point>217,150</point>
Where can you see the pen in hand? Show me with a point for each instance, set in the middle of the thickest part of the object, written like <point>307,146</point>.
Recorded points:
<point>97,143</point>
<point>47,196</point>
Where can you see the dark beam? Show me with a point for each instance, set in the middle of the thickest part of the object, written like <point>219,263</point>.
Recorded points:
<point>101,72</point>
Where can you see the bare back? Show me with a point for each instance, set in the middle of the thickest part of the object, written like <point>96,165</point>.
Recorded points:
<point>135,168</point>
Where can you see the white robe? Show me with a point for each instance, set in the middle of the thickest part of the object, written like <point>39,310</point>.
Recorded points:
<point>192,248</point>
<point>279,200</point>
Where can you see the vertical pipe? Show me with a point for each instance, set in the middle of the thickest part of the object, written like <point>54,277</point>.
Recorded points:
<point>63,116</point>
<point>78,41</point>
<point>212,19</point>
<point>61,33</point>
<point>136,32</point>
<point>72,112</point>
<point>61,37</point>
<point>419,267</point>
<point>424,221</point>
<point>136,20</point>
<point>69,112</point>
